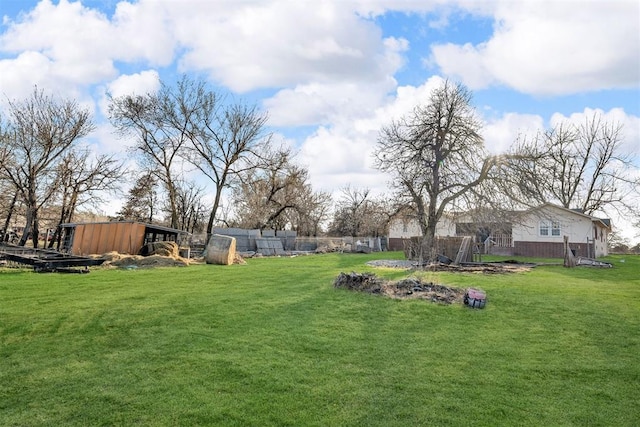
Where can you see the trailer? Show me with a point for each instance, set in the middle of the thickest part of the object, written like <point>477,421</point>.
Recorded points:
<point>47,260</point>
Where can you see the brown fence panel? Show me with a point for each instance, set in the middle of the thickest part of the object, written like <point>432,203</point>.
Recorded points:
<point>549,249</point>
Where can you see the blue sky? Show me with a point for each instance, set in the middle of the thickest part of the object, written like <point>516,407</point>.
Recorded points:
<point>331,73</point>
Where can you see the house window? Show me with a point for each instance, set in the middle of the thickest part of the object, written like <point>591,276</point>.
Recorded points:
<point>405,227</point>
<point>549,228</point>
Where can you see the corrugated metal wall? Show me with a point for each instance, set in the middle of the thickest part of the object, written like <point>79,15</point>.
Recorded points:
<point>124,238</point>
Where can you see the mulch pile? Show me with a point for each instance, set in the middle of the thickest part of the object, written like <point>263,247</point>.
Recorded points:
<point>403,289</point>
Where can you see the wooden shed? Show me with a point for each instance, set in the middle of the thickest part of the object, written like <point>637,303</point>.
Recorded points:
<point>125,237</point>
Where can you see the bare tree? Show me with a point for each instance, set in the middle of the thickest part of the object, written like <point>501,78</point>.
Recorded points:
<point>276,195</point>
<point>190,122</point>
<point>141,200</point>
<point>8,193</point>
<point>40,130</point>
<point>352,210</point>
<point>191,207</point>
<point>80,180</point>
<point>229,143</point>
<point>574,166</point>
<point>311,212</point>
<point>357,213</point>
<point>435,155</point>
<point>163,124</point>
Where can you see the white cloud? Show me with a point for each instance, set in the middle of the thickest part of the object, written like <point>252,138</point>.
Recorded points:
<point>13,71</point>
<point>139,83</point>
<point>248,45</point>
<point>334,101</point>
<point>336,159</point>
<point>330,103</point>
<point>71,36</point>
<point>301,106</point>
<point>129,84</point>
<point>403,101</point>
<point>500,134</point>
<point>342,153</point>
<point>550,48</point>
<point>66,44</point>
<point>143,31</point>
<point>282,43</point>
<point>465,63</point>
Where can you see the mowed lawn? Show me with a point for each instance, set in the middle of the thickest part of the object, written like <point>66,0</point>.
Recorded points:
<point>273,343</point>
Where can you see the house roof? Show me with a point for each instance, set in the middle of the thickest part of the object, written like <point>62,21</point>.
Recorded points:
<point>604,222</point>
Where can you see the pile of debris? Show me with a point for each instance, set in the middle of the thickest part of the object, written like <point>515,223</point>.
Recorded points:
<point>467,267</point>
<point>589,262</point>
<point>479,267</point>
<point>403,289</point>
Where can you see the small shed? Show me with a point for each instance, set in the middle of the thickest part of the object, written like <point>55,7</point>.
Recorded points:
<point>125,237</point>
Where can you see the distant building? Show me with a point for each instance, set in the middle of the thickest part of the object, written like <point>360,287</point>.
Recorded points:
<point>536,232</point>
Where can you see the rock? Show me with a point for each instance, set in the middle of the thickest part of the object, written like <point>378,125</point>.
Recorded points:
<point>220,250</point>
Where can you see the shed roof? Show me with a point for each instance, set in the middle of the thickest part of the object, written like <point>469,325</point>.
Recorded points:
<point>148,227</point>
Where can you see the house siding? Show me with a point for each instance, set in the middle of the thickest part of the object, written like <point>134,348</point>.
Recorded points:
<point>401,230</point>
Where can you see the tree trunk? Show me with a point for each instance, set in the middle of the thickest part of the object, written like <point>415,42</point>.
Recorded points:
<point>35,234</point>
<point>172,204</point>
<point>429,250</point>
<point>7,221</point>
<point>28,224</point>
<point>212,216</point>
<point>569,259</point>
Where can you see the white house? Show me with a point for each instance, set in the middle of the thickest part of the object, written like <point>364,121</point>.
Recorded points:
<point>407,227</point>
<point>540,231</point>
<point>537,232</point>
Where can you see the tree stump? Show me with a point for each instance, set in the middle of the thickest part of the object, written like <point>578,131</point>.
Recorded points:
<point>569,259</point>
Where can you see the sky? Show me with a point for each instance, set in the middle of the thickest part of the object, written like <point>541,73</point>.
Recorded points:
<point>331,73</point>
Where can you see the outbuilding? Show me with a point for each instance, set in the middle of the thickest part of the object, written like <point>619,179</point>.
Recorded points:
<point>125,237</point>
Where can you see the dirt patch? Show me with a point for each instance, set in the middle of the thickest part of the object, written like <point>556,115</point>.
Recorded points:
<point>392,263</point>
<point>486,268</point>
<point>403,289</point>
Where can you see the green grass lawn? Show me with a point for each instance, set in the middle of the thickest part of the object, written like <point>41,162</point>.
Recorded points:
<point>273,343</point>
